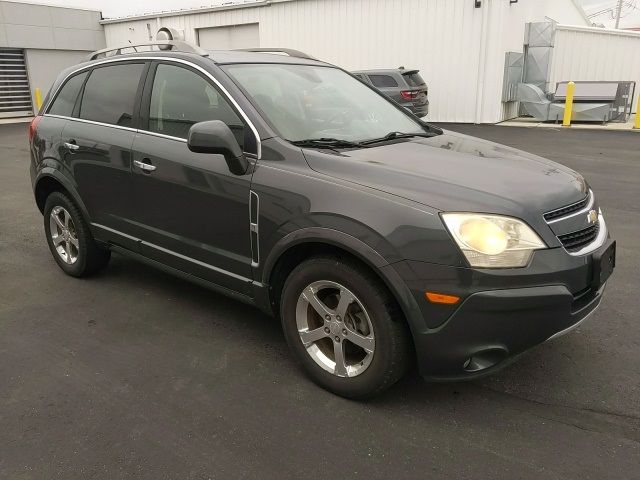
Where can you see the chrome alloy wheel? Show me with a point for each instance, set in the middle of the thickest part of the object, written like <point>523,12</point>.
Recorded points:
<point>63,234</point>
<point>335,328</point>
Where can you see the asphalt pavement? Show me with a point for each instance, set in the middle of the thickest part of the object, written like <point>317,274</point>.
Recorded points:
<point>137,374</point>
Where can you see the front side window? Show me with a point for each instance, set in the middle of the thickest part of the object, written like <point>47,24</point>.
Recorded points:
<point>181,97</point>
<point>110,94</point>
<point>303,102</point>
<point>66,99</point>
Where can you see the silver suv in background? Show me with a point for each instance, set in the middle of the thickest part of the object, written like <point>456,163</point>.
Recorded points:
<point>403,86</point>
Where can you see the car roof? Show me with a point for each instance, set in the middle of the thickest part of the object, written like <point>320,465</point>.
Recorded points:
<point>235,56</point>
<point>222,57</point>
<point>218,57</point>
<point>401,71</point>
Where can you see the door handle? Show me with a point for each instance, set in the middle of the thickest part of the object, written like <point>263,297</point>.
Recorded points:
<point>71,145</point>
<point>147,167</point>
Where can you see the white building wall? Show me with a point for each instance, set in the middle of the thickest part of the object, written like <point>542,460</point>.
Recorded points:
<point>44,66</point>
<point>582,53</point>
<point>52,38</point>
<point>24,25</point>
<point>459,49</point>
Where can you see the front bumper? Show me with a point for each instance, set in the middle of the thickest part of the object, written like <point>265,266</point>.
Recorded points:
<point>502,312</point>
<point>490,328</point>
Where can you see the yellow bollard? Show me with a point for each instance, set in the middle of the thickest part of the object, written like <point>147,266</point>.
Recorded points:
<point>38,95</point>
<point>637,124</point>
<point>568,104</point>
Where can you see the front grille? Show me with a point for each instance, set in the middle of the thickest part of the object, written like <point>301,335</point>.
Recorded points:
<point>569,209</point>
<point>574,241</point>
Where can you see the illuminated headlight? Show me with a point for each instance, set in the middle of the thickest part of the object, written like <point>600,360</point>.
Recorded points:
<point>493,241</point>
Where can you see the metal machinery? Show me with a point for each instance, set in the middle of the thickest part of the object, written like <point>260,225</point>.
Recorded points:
<point>593,101</point>
<point>526,80</point>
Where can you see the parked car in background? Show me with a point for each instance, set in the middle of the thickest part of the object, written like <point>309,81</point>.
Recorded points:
<point>404,86</point>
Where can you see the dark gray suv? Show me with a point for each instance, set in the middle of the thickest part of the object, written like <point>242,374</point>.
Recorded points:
<point>285,183</point>
<point>401,85</point>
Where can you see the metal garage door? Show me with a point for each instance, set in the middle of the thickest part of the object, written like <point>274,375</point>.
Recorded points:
<point>15,97</point>
<point>226,38</point>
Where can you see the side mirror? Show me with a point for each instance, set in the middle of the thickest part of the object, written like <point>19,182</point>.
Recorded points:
<point>214,136</point>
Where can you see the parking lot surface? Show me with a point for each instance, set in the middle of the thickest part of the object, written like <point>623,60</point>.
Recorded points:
<point>136,374</point>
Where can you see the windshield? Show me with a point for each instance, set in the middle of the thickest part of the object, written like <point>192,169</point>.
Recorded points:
<point>305,102</point>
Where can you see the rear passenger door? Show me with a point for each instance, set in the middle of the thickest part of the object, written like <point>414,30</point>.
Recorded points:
<point>55,119</point>
<point>191,212</point>
<point>97,143</point>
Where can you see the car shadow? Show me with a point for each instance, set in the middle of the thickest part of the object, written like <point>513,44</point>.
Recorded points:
<point>412,391</point>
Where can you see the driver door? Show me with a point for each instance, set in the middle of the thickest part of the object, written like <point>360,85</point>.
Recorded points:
<point>192,213</point>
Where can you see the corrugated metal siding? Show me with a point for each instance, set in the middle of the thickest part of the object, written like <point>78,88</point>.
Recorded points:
<point>357,35</point>
<point>439,37</point>
<point>442,38</point>
<point>595,54</point>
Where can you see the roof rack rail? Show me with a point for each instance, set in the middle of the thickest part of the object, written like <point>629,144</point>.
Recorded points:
<point>288,51</point>
<point>174,45</point>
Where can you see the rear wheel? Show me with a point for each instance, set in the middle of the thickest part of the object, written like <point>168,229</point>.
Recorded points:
<point>344,328</point>
<point>70,239</point>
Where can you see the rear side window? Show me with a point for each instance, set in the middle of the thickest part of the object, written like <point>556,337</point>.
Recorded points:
<point>181,97</point>
<point>383,81</point>
<point>66,99</point>
<point>413,79</point>
<point>110,94</point>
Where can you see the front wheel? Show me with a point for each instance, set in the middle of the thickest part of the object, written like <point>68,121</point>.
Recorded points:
<point>343,326</point>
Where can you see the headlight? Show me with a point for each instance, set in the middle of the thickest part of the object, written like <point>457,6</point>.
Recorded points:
<point>493,241</point>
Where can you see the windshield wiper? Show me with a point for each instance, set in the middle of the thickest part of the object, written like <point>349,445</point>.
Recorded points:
<point>326,143</point>
<point>396,135</point>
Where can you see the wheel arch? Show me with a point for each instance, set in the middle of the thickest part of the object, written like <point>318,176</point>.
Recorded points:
<point>308,242</point>
<point>51,180</point>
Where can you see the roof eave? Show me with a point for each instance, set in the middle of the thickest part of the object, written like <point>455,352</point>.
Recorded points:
<point>173,13</point>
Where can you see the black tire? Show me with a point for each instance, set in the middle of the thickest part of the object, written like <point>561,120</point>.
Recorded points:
<point>392,353</point>
<point>90,258</point>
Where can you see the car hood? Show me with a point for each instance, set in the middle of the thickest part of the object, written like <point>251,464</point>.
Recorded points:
<point>456,172</point>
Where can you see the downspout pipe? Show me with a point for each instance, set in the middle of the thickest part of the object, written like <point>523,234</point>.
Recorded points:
<point>484,36</point>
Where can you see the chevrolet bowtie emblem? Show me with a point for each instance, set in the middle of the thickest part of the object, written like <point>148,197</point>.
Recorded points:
<point>592,216</point>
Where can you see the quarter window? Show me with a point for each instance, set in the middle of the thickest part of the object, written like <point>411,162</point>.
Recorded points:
<point>181,97</point>
<point>66,99</point>
<point>110,94</point>
<point>383,81</point>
